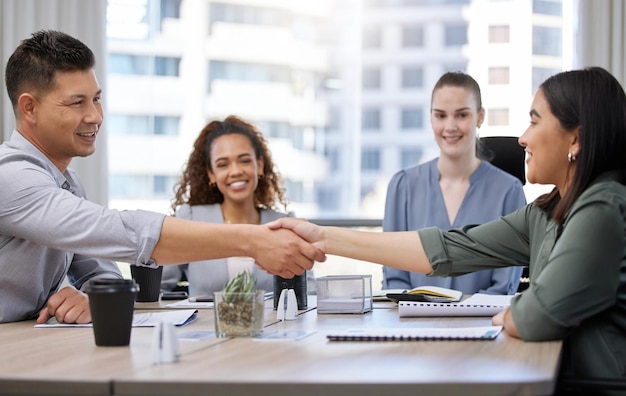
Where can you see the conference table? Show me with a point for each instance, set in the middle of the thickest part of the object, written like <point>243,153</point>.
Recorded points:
<point>66,361</point>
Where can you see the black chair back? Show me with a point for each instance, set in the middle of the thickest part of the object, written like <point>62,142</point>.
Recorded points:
<point>507,154</point>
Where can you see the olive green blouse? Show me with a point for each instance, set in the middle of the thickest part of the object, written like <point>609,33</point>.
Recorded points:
<point>577,273</point>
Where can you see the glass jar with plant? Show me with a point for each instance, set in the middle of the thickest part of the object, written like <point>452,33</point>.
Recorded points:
<point>239,308</point>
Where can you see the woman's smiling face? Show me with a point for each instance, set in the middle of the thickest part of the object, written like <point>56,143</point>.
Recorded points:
<point>234,167</point>
<point>454,117</point>
<point>547,146</point>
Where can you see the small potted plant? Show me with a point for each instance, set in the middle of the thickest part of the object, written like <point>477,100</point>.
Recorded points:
<point>239,308</point>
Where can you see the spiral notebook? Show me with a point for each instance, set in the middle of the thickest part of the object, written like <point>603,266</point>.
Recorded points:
<point>418,334</point>
<point>476,305</point>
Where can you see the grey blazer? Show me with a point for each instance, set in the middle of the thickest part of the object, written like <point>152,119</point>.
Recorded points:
<point>208,276</point>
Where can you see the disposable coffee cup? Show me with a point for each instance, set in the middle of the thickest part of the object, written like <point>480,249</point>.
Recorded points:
<point>298,283</point>
<point>149,281</point>
<point>112,302</point>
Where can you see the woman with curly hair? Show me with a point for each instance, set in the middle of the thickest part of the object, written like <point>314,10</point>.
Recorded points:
<point>229,178</point>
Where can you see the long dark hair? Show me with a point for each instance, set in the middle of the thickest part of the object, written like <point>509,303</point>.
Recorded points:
<point>193,187</point>
<point>593,100</point>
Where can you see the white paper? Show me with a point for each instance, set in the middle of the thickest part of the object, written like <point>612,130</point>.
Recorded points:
<point>148,319</point>
<point>187,304</point>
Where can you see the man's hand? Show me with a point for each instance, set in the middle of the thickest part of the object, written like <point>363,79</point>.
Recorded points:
<point>68,305</point>
<point>283,253</point>
<point>307,231</point>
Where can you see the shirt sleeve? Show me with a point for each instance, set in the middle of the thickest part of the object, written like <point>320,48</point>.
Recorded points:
<point>578,280</point>
<point>37,209</point>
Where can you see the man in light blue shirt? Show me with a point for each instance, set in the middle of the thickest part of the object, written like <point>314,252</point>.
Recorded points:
<point>48,229</point>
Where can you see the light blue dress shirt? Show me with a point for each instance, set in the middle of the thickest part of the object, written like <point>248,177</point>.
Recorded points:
<point>48,230</point>
<point>415,201</point>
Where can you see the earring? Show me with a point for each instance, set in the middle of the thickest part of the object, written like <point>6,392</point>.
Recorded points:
<point>212,184</point>
<point>571,157</point>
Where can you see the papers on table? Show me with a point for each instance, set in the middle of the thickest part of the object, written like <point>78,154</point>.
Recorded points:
<point>148,319</point>
<point>190,303</point>
<point>476,305</point>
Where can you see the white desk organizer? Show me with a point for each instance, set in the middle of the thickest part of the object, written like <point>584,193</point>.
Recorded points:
<point>342,294</point>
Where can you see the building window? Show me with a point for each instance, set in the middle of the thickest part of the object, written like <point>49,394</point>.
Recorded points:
<point>548,7</point>
<point>235,13</point>
<point>128,64</point>
<point>166,125</point>
<point>455,35</point>
<point>371,78</point>
<point>498,117</point>
<point>499,34</point>
<point>499,75</point>
<point>410,156</point>
<point>412,118</point>
<point>136,124</point>
<point>370,119</point>
<point>328,198</point>
<point>143,65</point>
<point>370,159</point>
<point>131,186</point>
<point>239,71</point>
<point>546,41</point>
<point>333,155</point>
<point>540,74</point>
<point>165,66</point>
<point>412,36</point>
<point>412,77</point>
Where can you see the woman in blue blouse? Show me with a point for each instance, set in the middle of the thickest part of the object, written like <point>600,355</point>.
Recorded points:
<point>453,190</point>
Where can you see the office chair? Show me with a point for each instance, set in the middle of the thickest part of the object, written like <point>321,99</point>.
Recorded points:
<point>590,386</point>
<point>507,153</point>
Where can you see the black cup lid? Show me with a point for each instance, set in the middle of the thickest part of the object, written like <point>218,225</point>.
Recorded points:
<point>111,286</point>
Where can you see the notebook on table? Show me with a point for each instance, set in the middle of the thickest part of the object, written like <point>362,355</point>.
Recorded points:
<point>476,305</point>
<point>482,333</point>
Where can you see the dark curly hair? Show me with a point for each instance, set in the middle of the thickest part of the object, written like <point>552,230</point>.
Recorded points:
<point>193,186</point>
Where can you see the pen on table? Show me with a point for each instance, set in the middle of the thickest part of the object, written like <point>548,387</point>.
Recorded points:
<point>201,299</point>
<point>210,298</point>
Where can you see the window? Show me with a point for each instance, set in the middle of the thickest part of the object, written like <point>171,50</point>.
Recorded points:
<point>166,125</point>
<point>548,7</point>
<point>143,65</point>
<point>412,77</point>
<point>243,14</point>
<point>164,66</point>
<point>371,78</point>
<point>498,117</point>
<point>333,156</point>
<point>455,35</point>
<point>546,41</point>
<point>412,36</point>
<point>129,186</point>
<point>412,118</point>
<point>225,70</point>
<point>370,159</point>
<point>540,74</point>
<point>410,156</point>
<point>498,75</point>
<point>128,64</point>
<point>370,119</point>
<point>137,124</point>
<point>499,34</point>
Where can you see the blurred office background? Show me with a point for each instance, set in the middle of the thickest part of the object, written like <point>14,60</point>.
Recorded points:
<point>341,89</point>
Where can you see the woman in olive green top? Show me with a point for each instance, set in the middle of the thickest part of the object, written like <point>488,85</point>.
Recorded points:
<point>572,239</point>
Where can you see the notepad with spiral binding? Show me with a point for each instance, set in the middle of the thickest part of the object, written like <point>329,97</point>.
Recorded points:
<point>476,305</point>
<point>418,334</point>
